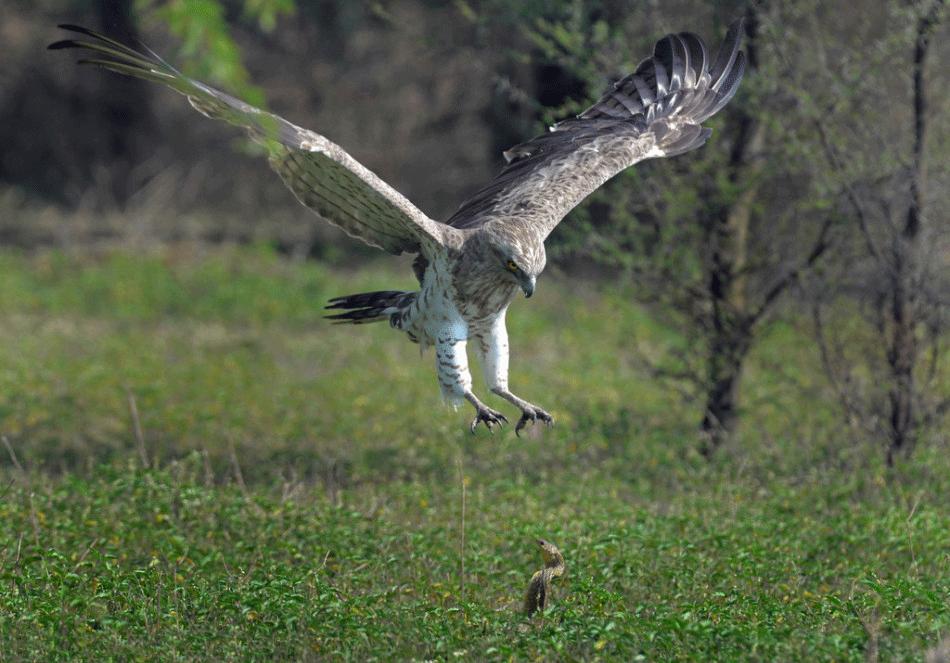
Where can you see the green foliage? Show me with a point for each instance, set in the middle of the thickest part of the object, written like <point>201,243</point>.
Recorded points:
<point>233,344</point>
<point>266,12</point>
<point>208,50</point>
<point>345,541</point>
<point>160,565</point>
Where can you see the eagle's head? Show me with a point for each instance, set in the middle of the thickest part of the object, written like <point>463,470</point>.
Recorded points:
<point>519,256</point>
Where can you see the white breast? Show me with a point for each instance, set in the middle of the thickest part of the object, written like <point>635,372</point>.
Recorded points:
<point>436,315</point>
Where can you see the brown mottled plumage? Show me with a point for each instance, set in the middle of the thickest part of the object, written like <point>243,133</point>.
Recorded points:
<point>470,267</point>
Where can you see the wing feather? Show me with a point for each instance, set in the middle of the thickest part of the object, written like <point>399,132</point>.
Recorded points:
<point>657,111</point>
<point>321,174</point>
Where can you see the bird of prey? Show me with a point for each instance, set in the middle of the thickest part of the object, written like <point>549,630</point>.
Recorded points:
<point>471,265</point>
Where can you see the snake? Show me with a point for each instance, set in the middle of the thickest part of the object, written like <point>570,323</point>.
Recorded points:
<point>540,585</point>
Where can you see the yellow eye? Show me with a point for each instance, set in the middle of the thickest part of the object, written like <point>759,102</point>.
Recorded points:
<point>511,266</point>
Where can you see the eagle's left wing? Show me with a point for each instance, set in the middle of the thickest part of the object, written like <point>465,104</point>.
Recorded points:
<point>655,112</point>
<point>320,173</point>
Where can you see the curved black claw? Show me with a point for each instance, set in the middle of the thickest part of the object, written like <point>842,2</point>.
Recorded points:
<point>532,414</point>
<point>489,417</point>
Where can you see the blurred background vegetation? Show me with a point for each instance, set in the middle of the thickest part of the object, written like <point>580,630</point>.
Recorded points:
<point>821,196</point>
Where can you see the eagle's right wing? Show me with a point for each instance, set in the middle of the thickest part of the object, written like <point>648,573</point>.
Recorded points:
<point>320,173</point>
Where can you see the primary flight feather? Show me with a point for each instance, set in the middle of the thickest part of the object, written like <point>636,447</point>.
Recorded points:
<point>470,267</point>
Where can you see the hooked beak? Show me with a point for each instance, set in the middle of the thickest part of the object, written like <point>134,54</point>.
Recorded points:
<point>527,285</point>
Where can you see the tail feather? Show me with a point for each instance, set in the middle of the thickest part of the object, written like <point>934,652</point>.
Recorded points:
<point>368,307</point>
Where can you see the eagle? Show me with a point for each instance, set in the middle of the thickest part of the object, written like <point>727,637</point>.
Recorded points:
<point>471,266</point>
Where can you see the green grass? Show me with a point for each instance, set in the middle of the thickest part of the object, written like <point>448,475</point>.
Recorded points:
<point>343,535</point>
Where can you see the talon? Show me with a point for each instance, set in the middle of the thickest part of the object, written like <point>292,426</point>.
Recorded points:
<point>488,417</point>
<point>533,414</point>
<point>523,421</point>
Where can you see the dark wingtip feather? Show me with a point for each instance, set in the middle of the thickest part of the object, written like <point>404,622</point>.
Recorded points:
<point>70,27</point>
<point>735,33</point>
<point>730,83</point>
<point>698,60</point>
<point>664,52</point>
<point>99,62</point>
<point>728,52</point>
<point>661,79</point>
<point>111,47</point>
<point>734,76</point>
<point>674,55</point>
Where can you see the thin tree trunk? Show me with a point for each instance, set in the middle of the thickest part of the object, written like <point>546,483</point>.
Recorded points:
<point>903,348</point>
<point>724,366</point>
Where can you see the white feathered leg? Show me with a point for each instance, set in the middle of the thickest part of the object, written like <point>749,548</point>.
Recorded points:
<point>492,350</point>
<point>456,380</point>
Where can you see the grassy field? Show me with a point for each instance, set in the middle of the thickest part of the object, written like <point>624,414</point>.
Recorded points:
<point>307,496</point>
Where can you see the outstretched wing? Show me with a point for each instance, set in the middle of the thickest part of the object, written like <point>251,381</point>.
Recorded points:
<point>320,173</point>
<point>655,112</point>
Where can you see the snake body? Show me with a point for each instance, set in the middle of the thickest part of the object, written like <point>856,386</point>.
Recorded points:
<point>540,585</point>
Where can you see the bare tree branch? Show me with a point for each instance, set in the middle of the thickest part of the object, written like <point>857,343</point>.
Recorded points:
<point>831,154</point>
<point>821,245</point>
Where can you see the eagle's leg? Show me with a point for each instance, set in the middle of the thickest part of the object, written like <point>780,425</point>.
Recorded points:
<point>492,349</point>
<point>456,380</point>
